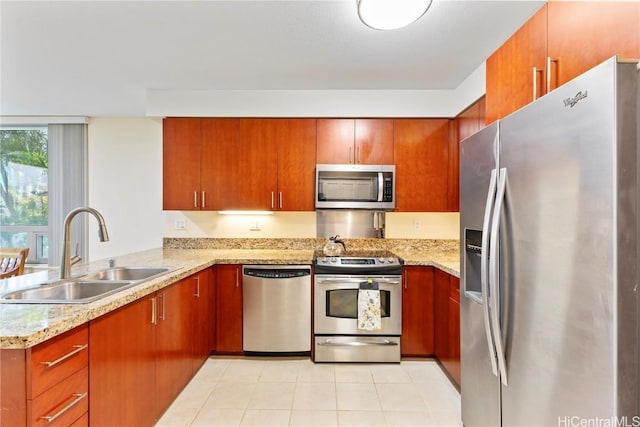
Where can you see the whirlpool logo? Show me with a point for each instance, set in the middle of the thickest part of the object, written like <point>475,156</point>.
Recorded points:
<point>570,102</point>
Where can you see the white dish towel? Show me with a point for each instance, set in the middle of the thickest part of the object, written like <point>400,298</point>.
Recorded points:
<point>369,311</point>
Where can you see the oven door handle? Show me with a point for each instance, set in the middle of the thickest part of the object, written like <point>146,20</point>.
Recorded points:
<point>330,343</point>
<point>354,281</point>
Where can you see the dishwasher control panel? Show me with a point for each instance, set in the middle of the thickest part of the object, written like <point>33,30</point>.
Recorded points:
<point>277,273</point>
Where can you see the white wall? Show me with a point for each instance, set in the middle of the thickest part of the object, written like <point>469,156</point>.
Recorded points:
<point>317,103</point>
<point>125,184</point>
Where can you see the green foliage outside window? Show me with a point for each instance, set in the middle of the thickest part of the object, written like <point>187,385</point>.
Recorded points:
<point>23,177</point>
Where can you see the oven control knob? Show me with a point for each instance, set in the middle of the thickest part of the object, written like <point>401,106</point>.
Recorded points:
<point>334,259</point>
<point>381,260</point>
<point>391,260</point>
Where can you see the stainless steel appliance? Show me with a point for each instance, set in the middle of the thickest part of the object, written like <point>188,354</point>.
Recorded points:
<point>350,223</point>
<point>336,288</point>
<point>549,262</point>
<point>355,187</point>
<point>276,308</point>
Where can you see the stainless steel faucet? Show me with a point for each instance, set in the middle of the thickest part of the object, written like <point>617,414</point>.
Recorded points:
<point>67,262</point>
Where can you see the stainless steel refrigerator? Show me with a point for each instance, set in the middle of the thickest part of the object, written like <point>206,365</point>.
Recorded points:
<point>549,258</point>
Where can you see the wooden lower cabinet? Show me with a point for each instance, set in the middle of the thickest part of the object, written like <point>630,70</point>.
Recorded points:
<point>447,330</point>
<point>452,363</point>
<point>417,311</point>
<point>441,292</point>
<point>203,287</point>
<point>174,342</point>
<point>228,309</point>
<point>146,352</point>
<point>46,384</point>
<point>123,366</point>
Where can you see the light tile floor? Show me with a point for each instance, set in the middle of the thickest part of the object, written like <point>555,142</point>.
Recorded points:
<point>297,392</point>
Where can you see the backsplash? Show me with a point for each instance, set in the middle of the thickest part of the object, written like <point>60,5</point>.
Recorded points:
<point>296,225</point>
<point>401,245</point>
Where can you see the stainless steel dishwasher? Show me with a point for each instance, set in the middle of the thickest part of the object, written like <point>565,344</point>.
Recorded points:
<point>276,308</point>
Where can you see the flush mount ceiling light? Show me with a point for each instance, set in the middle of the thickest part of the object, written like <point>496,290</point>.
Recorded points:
<point>391,14</point>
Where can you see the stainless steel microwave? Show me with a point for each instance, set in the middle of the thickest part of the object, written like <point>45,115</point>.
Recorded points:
<point>355,186</point>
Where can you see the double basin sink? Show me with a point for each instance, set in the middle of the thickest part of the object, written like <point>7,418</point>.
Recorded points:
<point>87,288</point>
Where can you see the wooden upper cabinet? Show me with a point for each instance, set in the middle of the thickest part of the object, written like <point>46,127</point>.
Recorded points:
<point>562,40</point>
<point>466,124</point>
<point>257,159</point>
<point>374,141</point>
<point>227,163</point>
<point>510,77</point>
<point>181,164</point>
<point>421,152</point>
<point>296,164</point>
<point>219,161</point>
<point>239,163</point>
<point>335,141</point>
<point>583,34</point>
<point>365,141</point>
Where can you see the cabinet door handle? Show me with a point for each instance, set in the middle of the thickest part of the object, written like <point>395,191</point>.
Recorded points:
<point>204,204</point>
<point>358,159</point>
<point>549,61</point>
<point>195,199</point>
<point>535,82</point>
<point>78,398</point>
<point>237,277</point>
<point>77,349</point>
<point>350,156</point>
<point>272,201</point>
<point>405,282</point>
<point>154,314</point>
<point>197,294</point>
<point>281,200</point>
<point>162,313</point>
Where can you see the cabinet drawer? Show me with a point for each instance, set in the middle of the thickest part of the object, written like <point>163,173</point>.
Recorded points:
<point>56,359</point>
<point>65,402</point>
<point>454,288</point>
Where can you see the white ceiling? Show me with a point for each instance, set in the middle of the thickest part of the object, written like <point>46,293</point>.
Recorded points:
<point>99,58</point>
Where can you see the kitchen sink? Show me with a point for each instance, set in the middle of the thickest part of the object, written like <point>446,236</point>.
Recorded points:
<point>84,289</point>
<point>127,273</point>
<point>75,291</point>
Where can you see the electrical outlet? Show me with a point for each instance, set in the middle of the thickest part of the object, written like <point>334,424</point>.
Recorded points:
<point>255,225</point>
<point>416,225</point>
<point>180,224</point>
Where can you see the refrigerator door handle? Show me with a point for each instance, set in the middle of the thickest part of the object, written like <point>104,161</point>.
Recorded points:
<point>484,261</point>
<point>494,275</point>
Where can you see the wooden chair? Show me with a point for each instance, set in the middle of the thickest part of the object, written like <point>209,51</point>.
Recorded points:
<point>12,261</point>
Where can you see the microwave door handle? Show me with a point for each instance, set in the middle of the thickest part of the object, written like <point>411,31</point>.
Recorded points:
<point>380,186</point>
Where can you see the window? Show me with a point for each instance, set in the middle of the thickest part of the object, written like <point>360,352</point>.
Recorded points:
<point>24,190</point>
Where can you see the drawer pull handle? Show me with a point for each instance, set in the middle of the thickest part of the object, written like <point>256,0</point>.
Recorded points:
<point>78,398</point>
<point>78,349</point>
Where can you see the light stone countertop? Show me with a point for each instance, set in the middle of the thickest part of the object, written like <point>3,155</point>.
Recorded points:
<point>26,325</point>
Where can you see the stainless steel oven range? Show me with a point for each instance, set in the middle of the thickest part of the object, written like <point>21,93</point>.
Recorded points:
<point>337,285</point>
